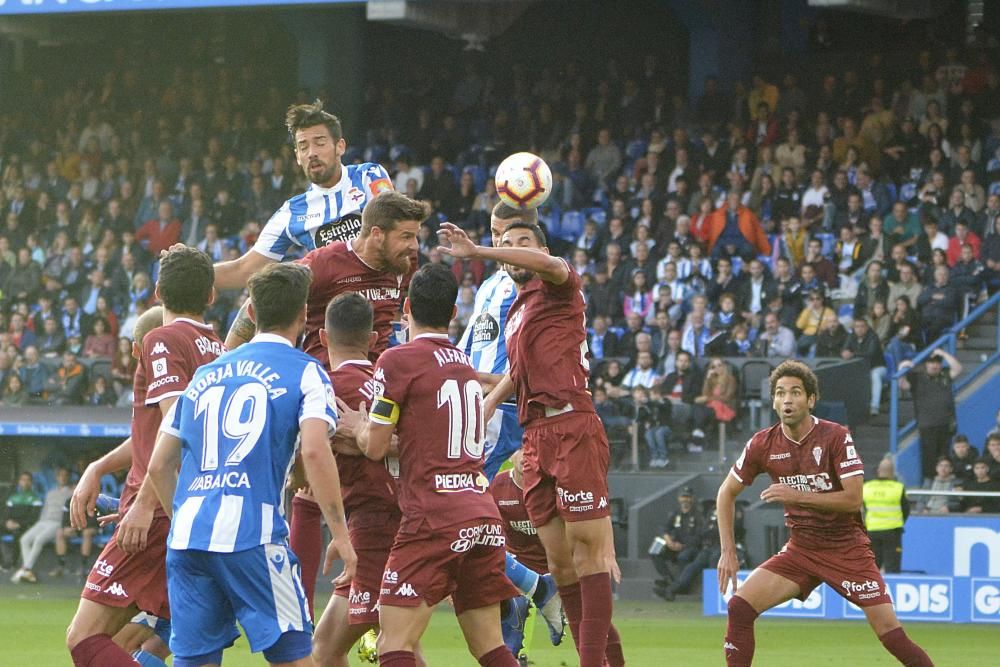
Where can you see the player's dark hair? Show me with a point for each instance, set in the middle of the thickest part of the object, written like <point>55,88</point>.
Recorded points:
<point>433,292</point>
<point>278,293</point>
<point>796,369</point>
<point>349,319</point>
<point>390,208</point>
<point>301,116</point>
<point>185,281</point>
<point>535,229</point>
<point>503,212</point>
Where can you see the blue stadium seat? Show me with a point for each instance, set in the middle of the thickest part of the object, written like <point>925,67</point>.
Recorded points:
<point>478,175</point>
<point>890,187</point>
<point>571,225</point>
<point>636,149</point>
<point>598,215</point>
<point>846,310</point>
<point>828,240</point>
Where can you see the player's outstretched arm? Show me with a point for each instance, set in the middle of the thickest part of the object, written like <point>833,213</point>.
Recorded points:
<point>725,507</point>
<point>321,472</point>
<point>548,268</point>
<point>162,473</point>
<point>82,504</point>
<point>243,328</point>
<point>848,500</point>
<point>500,392</point>
<point>235,273</point>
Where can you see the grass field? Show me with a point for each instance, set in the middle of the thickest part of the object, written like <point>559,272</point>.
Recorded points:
<point>33,620</point>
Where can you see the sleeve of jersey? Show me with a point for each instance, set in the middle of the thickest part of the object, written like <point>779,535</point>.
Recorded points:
<point>274,241</point>
<point>376,180</point>
<point>569,286</point>
<point>318,401</point>
<point>171,423</point>
<point>167,370</point>
<point>746,468</point>
<point>845,456</point>
<point>386,404</point>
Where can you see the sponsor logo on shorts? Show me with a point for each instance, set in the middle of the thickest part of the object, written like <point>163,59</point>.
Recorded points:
<point>405,590</point>
<point>93,587</point>
<point>116,589</point>
<point>360,597</point>
<point>523,527</point>
<point>103,568</point>
<point>577,501</point>
<point>487,534</point>
<point>862,590</point>
<point>778,457</point>
<point>461,482</point>
<point>390,577</point>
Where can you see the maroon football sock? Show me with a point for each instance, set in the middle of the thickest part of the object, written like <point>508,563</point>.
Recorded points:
<point>904,650</point>
<point>100,651</point>
<point>306,540</point>
<point>398,659</point>
<point>595,593</point>
<point>739,633</point>
<point>614,655</point>
<point>573,608</point>
<point>498,657</point>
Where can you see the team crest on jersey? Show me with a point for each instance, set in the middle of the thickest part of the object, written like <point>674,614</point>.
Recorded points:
<point>817,454</point>
<point>355,195</point>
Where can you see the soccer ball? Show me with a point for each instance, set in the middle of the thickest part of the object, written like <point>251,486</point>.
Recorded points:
<point>523,181</point>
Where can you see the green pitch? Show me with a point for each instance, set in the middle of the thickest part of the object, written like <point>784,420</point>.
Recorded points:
<point>33,622</point>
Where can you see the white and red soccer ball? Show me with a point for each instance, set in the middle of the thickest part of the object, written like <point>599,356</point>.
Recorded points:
<point>523,181</point>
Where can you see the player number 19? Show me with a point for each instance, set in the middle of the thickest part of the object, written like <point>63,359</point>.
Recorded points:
<point>233,425</point>
<point>466,429</point>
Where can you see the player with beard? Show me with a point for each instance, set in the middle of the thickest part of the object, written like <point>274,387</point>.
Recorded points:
<point>377,265</point>
<point>817,475</point>
<point>330,210</point>
<point>566,453</point>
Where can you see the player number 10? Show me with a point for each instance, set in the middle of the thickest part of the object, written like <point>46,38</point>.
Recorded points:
<point>466,429</point>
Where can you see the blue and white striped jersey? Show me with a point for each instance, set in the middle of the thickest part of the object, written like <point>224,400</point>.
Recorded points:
<point>485,343</point>
<point>320,216</point>
<point>238,422</point>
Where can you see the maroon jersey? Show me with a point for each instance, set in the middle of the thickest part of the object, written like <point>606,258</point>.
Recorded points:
<point>441,432</point>
<point>547,347</point>
<point>522,538</point>
<point>170,356</point>
<point>338,269</point>
<point>817,464</point>
<point>366,485</point>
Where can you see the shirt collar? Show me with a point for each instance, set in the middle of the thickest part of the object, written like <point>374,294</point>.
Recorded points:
<point>270,338</point>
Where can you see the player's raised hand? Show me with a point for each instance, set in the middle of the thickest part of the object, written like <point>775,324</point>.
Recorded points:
<point>84,500</point>
<point>134,529</point>
<point>728,566</point>
<point>460,243</point>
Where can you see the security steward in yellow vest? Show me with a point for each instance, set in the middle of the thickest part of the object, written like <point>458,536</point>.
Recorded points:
<point>886,509</point>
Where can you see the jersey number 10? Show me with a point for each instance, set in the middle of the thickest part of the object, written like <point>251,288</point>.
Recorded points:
<point>466,429</point>
<point>232,425</point>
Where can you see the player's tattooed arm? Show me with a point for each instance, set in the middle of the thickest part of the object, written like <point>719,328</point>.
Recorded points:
<point>243,328</point>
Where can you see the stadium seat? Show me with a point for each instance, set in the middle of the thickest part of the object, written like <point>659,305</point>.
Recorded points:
<point>598,215</point>
<point>752,376</point>
<point>571,225</point>
<point>828,241</point>
<point>635,149</point>
<point>890,187</point>
<point>478,175</point>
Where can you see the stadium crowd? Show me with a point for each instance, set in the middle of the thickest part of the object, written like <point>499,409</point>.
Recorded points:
<point>848,213</point>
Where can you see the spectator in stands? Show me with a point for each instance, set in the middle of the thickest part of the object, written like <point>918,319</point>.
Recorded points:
<point>21,510</point>
<point>643,374</point>
<point>33,374</point>
<point>100,344</point>
<point>862,343</point>
<point>65,533</point>
<point>880,322</point>
<point>992,454</point>
<point>610,379</point>
<point>990,257</point>
<point>26,282</point>
<point>753,293</point>
<point>681,387</point>
<point>602,342</point>
<point>709,550</point>
<point>652,416</point>
<point>14,393</point>
<point>735,230</point>
<point>956,213</point>
<point>604,159</point>
<point>66,386</point>
<point>161,231</point>
<point>680,538</point>
<point>45,529</point>
<point>981,482</point>
<point>775,340</point>
<point>963,236</point>
<point>100,393</point>
<point>638,295</point>
<point>886,510</point>
<point>825,270</point>
<point>944,480</point>
<point>809,320</point>
<point>938,305</point>
<point>666,344</point>
<point>962,457</point>
<point>933,404</point>
<point>873,287</point>
<point>901,227</point>
<point>719,396</point>
<point>831,336</point>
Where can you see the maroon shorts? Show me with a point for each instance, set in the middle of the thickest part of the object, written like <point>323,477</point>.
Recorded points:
<point>372,535</point>
<point>465,561</point>
<point>119,579</point>
<point>566,468</point>
<point>848,569</point>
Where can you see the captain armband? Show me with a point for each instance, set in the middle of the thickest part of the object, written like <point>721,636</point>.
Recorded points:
<point>384,411</point>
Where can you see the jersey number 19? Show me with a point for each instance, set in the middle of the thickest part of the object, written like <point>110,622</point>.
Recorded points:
<point>233,425</point>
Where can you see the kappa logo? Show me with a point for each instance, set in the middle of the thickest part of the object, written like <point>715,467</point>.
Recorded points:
<point>406,590</point>
<point>159,367</point>
<point>116,589</point>
<point>603,503</point>
<point>379,375</point>
<point>159,348</point>
<point>729,646</point>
